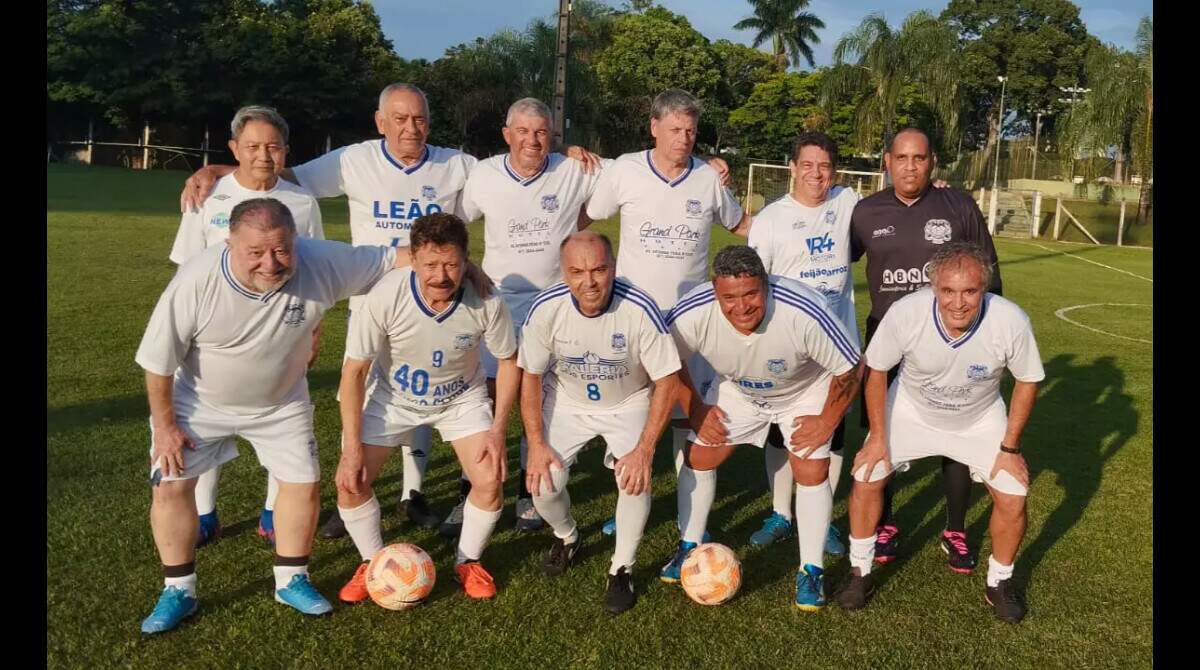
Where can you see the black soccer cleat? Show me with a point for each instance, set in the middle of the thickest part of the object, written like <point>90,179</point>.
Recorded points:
<point>416,508</point>
<point>1005,601</point>
<point>561,555</point>
<point>334,526</point>
<point>855,592</point>
<point>452,526</point>
<point>619,595</point>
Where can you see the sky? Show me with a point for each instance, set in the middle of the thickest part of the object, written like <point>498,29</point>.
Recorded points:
<point>426,29</point>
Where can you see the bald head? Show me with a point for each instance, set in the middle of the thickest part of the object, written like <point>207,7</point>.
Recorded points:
<point>588,268</point>
<point>909,134</point>
<point>584,238</point>
<point>909,162</point>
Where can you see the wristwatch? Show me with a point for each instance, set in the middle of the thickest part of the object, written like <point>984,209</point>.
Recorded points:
<point>1008,450</point>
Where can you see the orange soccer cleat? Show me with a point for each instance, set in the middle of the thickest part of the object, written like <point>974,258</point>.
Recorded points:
<point>476,581</point>
<point>355,590</point>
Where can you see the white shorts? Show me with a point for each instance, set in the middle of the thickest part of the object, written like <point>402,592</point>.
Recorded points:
<point>518,307</point>
<point>568,433</point>
<point>394,425</point>
<point>749,421</point>
<point>283,440</point>
<point>702,375</point>
<point>911,438</point>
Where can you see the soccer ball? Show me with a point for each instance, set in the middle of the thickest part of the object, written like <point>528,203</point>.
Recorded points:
<point>400,576</point>
<point>711,574</point>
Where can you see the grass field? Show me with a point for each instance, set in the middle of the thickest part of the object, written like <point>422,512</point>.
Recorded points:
<point>1087,558</point>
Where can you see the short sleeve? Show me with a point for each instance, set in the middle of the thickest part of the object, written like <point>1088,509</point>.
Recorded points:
<point>323,175</point>
<point>171,331</point>
<point>760,241</point>
<point>885,350</point>
<point>658,353</point>
<point>189,240</point>
<point>730,214</point>
<point>353,270</point>
<point>368,333</point>
<point>317,228</point>
<point>605,199</point>
<point>534,356</point>
<point>826,342</point>
<point>1024,359</point>
<point>499,336</point>
<point>467,199</point>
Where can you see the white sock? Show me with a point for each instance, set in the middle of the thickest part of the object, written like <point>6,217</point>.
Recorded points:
<point>415,459</point>
<point>862,553</point>
<point>835,471</point>
<point>997,572</point>
<point>476,531</point>
<point>697,488</point>
<point>632,512</point>
<point>272,493</point>
<point>284,574</point>
<point>363,526</point>
<point>814,505</point>
<point>206,491</point>
<point>779,478</point>
<point>187,583</point>
<point>555,508</point>
<point>678,442</point>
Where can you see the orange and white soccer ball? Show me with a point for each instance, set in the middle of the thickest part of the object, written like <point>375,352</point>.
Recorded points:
<point>711,574</point>
<point>400,576</point>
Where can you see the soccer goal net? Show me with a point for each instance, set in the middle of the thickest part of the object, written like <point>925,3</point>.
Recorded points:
<point>864,183</point>
<point>768,182</point>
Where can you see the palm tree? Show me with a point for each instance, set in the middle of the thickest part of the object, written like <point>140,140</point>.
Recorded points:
<point>1143,139</point>
<point>792,32</point>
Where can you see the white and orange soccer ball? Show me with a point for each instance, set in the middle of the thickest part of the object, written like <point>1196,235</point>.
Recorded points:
<point>400,576</point>
<point>711,574</point>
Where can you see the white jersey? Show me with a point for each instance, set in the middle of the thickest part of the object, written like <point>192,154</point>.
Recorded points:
<point>428,360</point>
<point>245,352</point>
<point>385,195</point>
<point>953,382</point>
<point>812,246</point>
<point>665,223</point>
<point>798,345</point>
<point>599,364</point>
<point>525,220</point>
<point>210,226</point>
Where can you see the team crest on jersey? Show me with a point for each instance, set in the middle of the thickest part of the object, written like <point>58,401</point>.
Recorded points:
<point>220,220</point>
<point>800,223</point>
<point>463,342</point>
<point>428,193</point>
<point>937,231</point>
<point>221,196</point>
<point>618,342</point>
<point>777,366</point>
<point>977,371</point>
<point>830,216</point>
<point>293,314</point>
<point>693,208</point>
<point>550,203</point>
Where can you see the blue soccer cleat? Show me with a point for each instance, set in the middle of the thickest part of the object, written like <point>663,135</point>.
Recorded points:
<point>266,526</point>
<point>210,529</point>
<point>810,588</point>
<point>833,542</point>
<point>775,528</point>
<point>174,605</point>
<point>670,571</point>
<point>301,595</point>
<point>610,526</point>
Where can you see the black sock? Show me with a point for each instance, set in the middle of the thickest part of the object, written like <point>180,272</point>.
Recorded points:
<point>522,491</point>
<point>888,491</point>
<point>294,561</point>
<point>464,488</point>
<point>179,570</point>
<point>956,477</point>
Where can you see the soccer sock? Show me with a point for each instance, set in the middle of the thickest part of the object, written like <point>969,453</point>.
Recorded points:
<point>464,486</point>
<point>206,491</point>
<point>997,572</point>
<point>272,493</point>
<point>415,460</point>
<point>779,478</point>
<point>476,531</point>
<point>956,477</point>
<point>697,488</point>
<point>814,504</point>
<point>885,517</point>
<point>678,442</point>
<point>632,512</point>
<point>363,526</point>
<point>555,507</point>
<point>287,567</point>
<point>862,553</point>
<point>835,471</point>
<point>181,577</point>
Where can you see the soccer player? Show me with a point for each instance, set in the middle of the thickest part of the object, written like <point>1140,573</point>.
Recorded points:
<point>805,236</point>
<point>225,355</point>
<point>424,327</point>
<point>955,341</point>
<point>590,348</point>
<point>899,229</point>
<point>780,356</point>
<point>260,144</point>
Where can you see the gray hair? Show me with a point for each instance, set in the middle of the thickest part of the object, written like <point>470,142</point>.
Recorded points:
<point>529,106</point>
<point>676,100</point>
<point>952,255</point>
<point>258,113</point>
<point>737,260</point>
<point>277,215</point>
<point>401,86</point>
<point>585,236</point>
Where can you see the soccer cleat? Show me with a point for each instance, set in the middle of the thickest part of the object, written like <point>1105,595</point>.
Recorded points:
<point>355,590</point>
<point>1005,601</point>
<point>619,595</point>
<point>670,571</point>
<point>775,528</point>
<point>855,592</point>
<point>210,529</point>
<point>527,516</point>
<point>302,596</point>
<point>417,510</point>
<point>810,588</point>
<point>960,560</point>
<point>610,526</point>
<point>452,526</point>
<point>833,542</point>
<point>476,581</point>
<point>174,605</point>
<point>334,526</point>
<point>561,555</point>
<point>266,526</point>
<point>885,543</point>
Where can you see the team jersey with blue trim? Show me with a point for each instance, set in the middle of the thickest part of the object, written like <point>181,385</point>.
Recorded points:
<point>599,364</point>
<point>953,381</point>
<point>812,246</point>
<point>665,223</point>
<point>429,360</point>
<point>799,343</point>
<point>243,352</point>
<point>385,195</point>
<point>210,225</point>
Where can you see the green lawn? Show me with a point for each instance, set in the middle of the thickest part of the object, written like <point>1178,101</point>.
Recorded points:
<point>1087,559</point>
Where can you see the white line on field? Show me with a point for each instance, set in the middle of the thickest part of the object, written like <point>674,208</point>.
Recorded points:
<point>1086,260</point>
<point>1061,313</point>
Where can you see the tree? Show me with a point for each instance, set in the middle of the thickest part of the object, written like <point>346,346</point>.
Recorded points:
<point>777,111</point>
<point>1143,134</point>
<point>792,31</point>
<point>742,68</point>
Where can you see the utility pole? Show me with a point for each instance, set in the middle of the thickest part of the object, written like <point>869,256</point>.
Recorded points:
<point>999,132</point>
<point>560,70</point>
<point>1037,129</point>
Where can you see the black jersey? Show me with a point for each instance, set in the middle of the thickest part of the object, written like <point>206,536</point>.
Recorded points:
<point>900,239</point>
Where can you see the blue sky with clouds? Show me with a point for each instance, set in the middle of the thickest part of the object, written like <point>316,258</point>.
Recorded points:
<point>424,29</point>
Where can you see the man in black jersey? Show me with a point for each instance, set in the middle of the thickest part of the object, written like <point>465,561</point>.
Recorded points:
<point>899,229</point>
